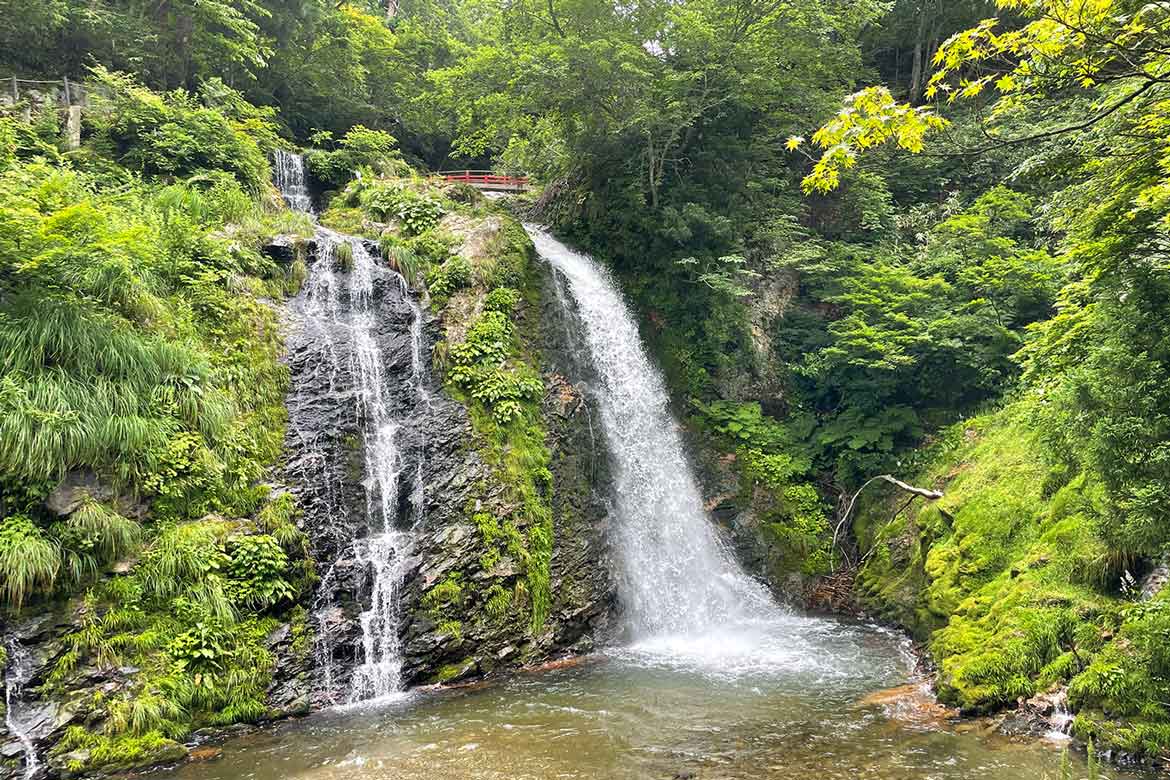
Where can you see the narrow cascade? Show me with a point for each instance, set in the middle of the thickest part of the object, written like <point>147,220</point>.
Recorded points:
<point>288,172</point>
<point>15,678</point>
<point>676,577</point>
<point>341,310</point>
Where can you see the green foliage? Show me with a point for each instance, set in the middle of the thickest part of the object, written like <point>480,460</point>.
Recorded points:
<point>433,247</point>
<point>343,257</point>
<point>404,260</point>
<point>174,134</point>
<point>360,148</point>
<point>414,212</point>
<point>198,649</point>
<point>189,616</point>
<point>92,536</point>
<point>126,349</point>
<point>745,424</point>
<point>443,280</point>
<point>492,369</point>
<point>29,562</point>
<point>502,300</point>
<point>255,571</point>
<point>445,602</point>
<point>479,366</point>
<point>448,593</point>
<point>869,118</point>
<point>118,752</point>
<point>498,602</point>
<point>1012,586</point>
<point>725,274</point>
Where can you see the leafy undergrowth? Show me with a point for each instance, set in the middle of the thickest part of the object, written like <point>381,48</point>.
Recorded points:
<point>192,616</point>
<point>140,359</point>
<point>494,371</point>
<point>1008,581</point>
<point>773,470</point>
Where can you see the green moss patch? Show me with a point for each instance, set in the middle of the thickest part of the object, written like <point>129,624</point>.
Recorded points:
<point>1010,584</point>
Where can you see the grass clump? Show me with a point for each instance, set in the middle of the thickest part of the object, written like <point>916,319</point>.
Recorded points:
<point>193,615</point>
<point>29,561</point>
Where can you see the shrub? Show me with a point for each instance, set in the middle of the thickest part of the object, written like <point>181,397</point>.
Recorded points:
<point>415,212</point>
<point>359,148</point>
<point>255,570</point>
<point>173,134</point>
<point>450,277</point>
<point>502,300</point>
<point>478,366</point>
<point>29,561</point>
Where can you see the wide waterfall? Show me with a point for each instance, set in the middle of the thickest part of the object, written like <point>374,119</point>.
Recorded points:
<point>676,578</point>
<point>341,310</point>
<point>716,680</point>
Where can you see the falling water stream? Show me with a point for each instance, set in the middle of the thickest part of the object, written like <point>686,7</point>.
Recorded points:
<point>340,307</point>
<point>716,681</point>
<point>15,678</point>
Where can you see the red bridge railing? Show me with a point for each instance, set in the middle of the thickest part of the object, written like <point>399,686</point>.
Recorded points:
<point>487,180</point>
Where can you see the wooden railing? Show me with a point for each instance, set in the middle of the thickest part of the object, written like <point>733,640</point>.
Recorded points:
<point>487,180</point>
<point>71,91</point>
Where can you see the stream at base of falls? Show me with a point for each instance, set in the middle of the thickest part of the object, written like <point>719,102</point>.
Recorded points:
<point>734,710</point>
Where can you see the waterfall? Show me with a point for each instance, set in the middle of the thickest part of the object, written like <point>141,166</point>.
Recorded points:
<point>676,577</point>
<point>15,678</point>
<point>288,172</point>
<point>342,313</point>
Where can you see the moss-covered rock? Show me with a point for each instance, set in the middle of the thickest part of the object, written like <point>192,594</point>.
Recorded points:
<point>1009,584</point>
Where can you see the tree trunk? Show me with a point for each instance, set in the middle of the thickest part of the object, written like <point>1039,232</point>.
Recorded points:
<point>916,68</point>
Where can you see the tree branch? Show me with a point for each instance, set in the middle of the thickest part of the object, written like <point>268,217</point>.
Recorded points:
<point>932,495</point>
<point>1073,128</point>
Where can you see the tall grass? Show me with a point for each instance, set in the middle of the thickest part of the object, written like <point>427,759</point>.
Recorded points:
<point>405,261</point>
<point>29,560</point>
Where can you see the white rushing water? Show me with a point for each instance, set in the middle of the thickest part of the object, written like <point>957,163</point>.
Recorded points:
<point>15,678</point>
<point>677,580</point>
<point>288,172</point>
<point>385,550</point>
<point>341,309</point>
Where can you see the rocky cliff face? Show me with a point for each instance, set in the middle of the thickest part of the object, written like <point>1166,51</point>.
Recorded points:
<point>461,601</point>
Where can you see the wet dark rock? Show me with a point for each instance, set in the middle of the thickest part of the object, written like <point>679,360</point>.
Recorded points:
<point>285,249</point>
<point>1156,579</point>
<point>324,468</point>
<point>74,490</point>
<point>1045,713</point>
<point>81,485</point>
